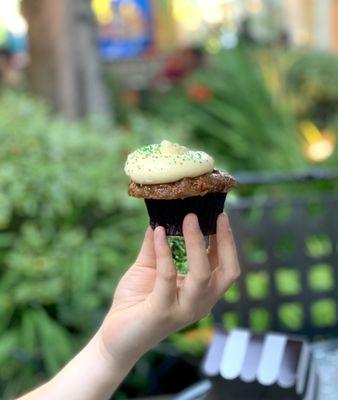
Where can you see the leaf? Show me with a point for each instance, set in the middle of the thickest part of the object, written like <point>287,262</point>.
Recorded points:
<point>56,345</point>
<point>28,334</point>
<point>8,345</point>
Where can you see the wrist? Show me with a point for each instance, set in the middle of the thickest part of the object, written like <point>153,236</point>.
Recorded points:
<point>110,360</point>
<point>117,348</point>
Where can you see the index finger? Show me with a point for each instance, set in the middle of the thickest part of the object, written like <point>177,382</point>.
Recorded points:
<point>199,267</point>
<point>146,255</point>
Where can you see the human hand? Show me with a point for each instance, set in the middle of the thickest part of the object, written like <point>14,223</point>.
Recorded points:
<point>152,301</point>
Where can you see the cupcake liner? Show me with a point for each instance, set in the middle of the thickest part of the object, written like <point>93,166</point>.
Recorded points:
<point>170,213</point>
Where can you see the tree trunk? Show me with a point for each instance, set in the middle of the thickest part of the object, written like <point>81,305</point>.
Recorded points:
<point>65,67</point>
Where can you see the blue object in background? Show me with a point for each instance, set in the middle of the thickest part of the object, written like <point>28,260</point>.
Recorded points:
<point>17,43</point>
<point>13,43</point>
<point>130,33</point>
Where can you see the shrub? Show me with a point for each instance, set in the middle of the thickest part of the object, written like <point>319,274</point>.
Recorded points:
<point>67,231</point>
<point>229,109</point>
<point>312,81</point>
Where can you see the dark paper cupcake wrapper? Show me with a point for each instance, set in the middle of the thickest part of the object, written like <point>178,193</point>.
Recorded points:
<point>170,213</point>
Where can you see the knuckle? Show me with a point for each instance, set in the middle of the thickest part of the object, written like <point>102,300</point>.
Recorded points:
<point>235,274</point>
<point>228,230</point>
<point>232,275</point>
<point>202,279</point>
<point>187,315</point>
<point>195,241</point>
<point>163,255</point>
<point>194,313</point>
<point>228,281</point>
<point>169,276</point>
<point>222,289</point>
<point>165,314</point>
<point>202,286</point>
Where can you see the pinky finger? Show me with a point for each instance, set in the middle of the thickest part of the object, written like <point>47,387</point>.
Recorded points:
<point>228,266</point>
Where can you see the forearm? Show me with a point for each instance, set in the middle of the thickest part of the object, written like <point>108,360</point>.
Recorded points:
<point>91,375</point>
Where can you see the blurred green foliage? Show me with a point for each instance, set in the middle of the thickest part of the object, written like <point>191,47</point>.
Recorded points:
<point>313,85</point>
<point>229,109</point>
<point>241,120</point>
<point>245,99</point>
<point>68,229</point>
<point>178,249</point>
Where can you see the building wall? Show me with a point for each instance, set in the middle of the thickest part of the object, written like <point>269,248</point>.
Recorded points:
<point>313,23</point>
<point>334,26</point>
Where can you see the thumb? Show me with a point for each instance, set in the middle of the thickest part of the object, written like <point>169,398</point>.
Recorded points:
<point>146,255</point>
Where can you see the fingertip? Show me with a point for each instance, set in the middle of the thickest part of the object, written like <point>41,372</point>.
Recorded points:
<point>190,223</point>
<point>146,254</point>
<point>159,232</point>
<point>149,233</point>
<point>223,219</point>
<point>160,240</point>
<point>223,224</point>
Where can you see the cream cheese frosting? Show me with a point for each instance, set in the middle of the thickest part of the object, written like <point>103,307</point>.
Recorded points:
<point>165,163</point>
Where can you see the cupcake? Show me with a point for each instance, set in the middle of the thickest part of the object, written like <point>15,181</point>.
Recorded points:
<point>175,181</point>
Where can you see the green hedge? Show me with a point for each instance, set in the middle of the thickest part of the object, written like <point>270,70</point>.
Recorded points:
<point>67,231</point>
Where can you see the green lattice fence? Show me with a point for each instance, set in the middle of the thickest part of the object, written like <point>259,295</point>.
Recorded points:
<point>288,250</point>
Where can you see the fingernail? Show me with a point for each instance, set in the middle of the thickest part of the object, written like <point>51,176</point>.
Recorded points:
<point>223,218</point>
<point>192,222</point>
<point>160,231</point>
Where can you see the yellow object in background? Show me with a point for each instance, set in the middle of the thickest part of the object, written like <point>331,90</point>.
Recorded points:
<point>165,29</point>
<point>187,13</point>
<point>103,11</point>
<point>164,23</point>
<point>320,145</point>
